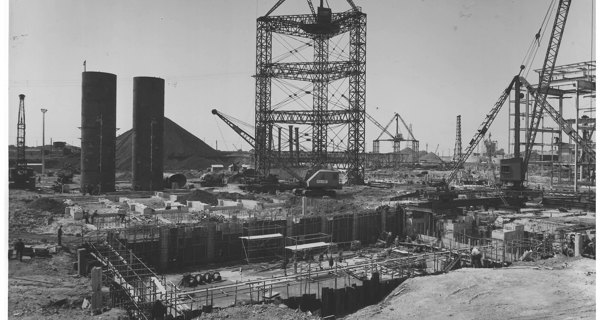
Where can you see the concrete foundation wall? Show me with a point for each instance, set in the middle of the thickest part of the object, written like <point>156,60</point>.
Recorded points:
<point>171,247</point>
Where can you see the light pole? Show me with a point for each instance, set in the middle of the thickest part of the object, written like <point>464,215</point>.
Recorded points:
<point>43,140</point>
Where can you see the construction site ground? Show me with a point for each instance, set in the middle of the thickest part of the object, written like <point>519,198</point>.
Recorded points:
<point>558,288</point>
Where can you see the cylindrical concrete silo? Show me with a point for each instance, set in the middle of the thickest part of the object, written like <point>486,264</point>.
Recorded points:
<point>98,131</point>
<point>148,127</point>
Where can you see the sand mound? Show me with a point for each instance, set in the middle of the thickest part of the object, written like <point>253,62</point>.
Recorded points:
<point>559,290</point>
<point>183,150</point>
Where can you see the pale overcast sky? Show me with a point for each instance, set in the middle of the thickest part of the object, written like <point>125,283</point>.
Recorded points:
<point>428,60</point>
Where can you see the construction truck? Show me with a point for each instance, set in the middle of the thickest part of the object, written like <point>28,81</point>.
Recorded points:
<point>320,183</point>
<point>212,179</point>
<point>63,176</point>
<point>22,177</point>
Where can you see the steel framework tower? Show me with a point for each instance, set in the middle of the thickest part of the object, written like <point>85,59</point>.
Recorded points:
<point>21,159</point>
<point>335,73</point>
<point>458,143</point>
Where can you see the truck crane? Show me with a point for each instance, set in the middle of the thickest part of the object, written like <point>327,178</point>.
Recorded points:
<point>318,183</point>
<point>21,175</point>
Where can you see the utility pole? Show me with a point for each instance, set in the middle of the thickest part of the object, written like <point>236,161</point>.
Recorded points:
<point>44,141</point>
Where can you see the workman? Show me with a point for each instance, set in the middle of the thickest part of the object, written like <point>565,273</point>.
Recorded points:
<point>284,265</point>
<point>19,247</point>
<point>60,233</point>
<point>94,215</point>
<point>476,258</point>
<point>158,310</point>
<point>86,216</point>
<point>121,216</point>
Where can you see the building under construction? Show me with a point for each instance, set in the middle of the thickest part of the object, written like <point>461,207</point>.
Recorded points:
<point>558,157</point>
<point>189,249</point>
<point>322,98</point>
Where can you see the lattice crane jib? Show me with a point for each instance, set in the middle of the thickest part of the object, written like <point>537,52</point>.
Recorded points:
<point>317,29</point>
<point>481,131</point>
<point>546,76</point>
<point>458,143</point>
<point>21,163</point>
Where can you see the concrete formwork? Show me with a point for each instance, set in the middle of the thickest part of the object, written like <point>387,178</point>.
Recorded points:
<point>197,244</point>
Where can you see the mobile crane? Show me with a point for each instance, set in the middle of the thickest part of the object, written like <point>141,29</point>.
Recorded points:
<point>22,176</point>
<point>514,170</point>
<point>319,182</point>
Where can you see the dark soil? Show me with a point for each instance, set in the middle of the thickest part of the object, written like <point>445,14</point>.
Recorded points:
<point>199,195</point>
<point>48,204</point>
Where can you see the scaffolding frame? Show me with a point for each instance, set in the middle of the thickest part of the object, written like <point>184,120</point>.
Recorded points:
<point>263,242</point>
<point>134,285</point>
<point>323,242</point>
<point>321,74</point>
<point>562,160</point>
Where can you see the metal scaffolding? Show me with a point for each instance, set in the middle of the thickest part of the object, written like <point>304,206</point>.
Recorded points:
<point>572,89</point>
<point>335,70</point>
<point>134,285</point>
<point>263,241</point>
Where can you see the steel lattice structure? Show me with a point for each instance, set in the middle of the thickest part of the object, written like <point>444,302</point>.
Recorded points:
<point>21,159</point>
<point>316,30</point>
<point>458,143</point>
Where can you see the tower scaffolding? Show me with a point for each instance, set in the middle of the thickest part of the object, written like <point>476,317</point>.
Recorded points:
<point>335,93</point>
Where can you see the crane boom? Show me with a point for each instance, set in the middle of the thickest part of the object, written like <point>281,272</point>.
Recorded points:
<point>406,126</point>
<point>382,128</point>
<point>483,128</point>
<point>245,135</point>
<point>21,163</point>
<point>564,125</point>
<point>545,77</point>
<point>275,6</point>
<point>252,142</point>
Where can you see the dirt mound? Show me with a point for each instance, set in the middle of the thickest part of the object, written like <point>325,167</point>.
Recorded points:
<point>558,289</point>
<point>47,204</point>
<point>199,195</point>
<point>183,150</point>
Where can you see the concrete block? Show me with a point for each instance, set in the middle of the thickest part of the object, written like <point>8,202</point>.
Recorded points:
<point>578,244</point>
<point>81,261</point>
<point>96,300</point>
<point>96,276</point>
<point>76,213</point>
<point>514,227</point>
<point>228,203</point>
